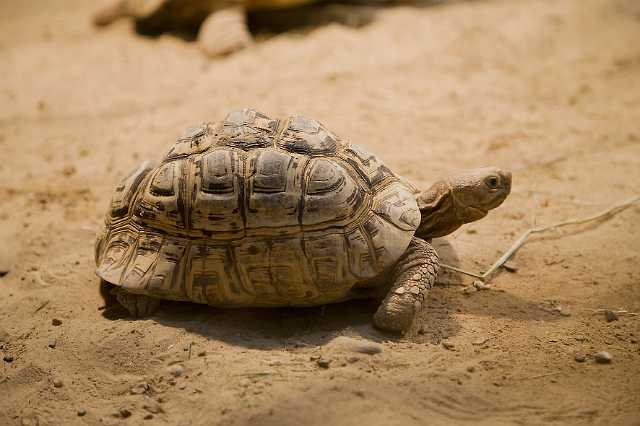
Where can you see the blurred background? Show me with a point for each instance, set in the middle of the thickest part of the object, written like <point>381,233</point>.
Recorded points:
<point>548,89</point>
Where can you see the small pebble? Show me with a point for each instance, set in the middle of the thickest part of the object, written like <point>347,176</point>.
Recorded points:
<point>603,357</point>
<point>610,316</point>
<point>323,363</point>
<point>148,417</point>
<point>480,341</point>
<point>56,322</point>
<point>81,412</point>
<point>139,389</point>
<point>52,342</point>
<point>448,345</point>
<point>202,353</point>
<point>353,359</point>
<point>176,370</point>
<point>152,406</point>
<point>124,413</point>
<point>3,272</point>
<point>471,369</point>
<point>57,383</point>
<point>580,357</point>
<point>7,358</point>
<point>479,285</point>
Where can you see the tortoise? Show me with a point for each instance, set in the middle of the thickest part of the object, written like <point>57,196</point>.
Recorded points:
<point>222,25</point>
<point>259,212</point>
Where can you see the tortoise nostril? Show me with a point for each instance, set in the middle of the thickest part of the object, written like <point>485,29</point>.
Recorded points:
<point>506,176</point>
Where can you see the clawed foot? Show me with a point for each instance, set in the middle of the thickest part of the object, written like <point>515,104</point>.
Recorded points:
<point>224,32</point>
<point>397,314</point>
<point>138,305</point>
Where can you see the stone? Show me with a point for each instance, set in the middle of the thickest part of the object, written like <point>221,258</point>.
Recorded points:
<point>7,358</point>
<point>176,370</point>
<point>56,322</point>
<point>52,342</point>
<point>580,357</point>
<point>479,285</point>
<point>3,272</point>
<point>148,416</point>
<point>603,357</point>
<point>480,341</point>
<point>448,345</point>
<point>139,389</point>
<point>323,363</point>
<point>471,369</point>
<point>124,413</point>
<point>610,315</point>
<point>152,406</point>
<point>57,383</point>
<point>81,412</point>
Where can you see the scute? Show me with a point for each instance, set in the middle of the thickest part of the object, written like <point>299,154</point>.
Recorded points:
<point>368,166</point>
<point>126,190</point>
<point>274,189</point>
<point>247,129</point>
<point>397,205</point>
<point>160,205</point>
<point>307,136</point>
<point>332,194</point>
<point>216,204</point>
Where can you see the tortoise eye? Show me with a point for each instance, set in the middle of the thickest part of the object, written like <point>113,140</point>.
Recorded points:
<point>492,182</point>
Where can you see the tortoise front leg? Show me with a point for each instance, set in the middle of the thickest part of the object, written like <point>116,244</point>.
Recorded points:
<point>224,31</point>
<point>413,276</point>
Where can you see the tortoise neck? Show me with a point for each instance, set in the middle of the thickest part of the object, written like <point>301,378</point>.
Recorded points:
<point>437,211</point>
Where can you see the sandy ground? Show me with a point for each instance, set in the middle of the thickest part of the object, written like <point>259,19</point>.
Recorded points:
<point>549,89</point>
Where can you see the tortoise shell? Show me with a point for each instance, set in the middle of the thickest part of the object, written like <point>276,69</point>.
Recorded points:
<point>254,211</point>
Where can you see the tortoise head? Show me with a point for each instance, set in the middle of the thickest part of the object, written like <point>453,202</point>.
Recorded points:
<point>461,198</point>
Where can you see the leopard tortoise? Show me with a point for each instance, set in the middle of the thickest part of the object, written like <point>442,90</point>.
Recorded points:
<point>254,211</point>
<point>221,24</point>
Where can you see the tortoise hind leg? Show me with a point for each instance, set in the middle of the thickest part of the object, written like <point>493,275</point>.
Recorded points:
<point>224,31</point>
<point>414,274</point>
<point>138,305</point>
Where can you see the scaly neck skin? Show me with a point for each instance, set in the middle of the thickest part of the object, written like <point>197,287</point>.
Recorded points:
<point>438,211</point>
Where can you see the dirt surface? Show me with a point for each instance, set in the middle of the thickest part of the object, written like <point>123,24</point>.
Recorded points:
<point>550,90</point>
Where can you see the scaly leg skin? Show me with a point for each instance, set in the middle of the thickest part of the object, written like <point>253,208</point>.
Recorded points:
<point>413,276</point>
<point>224,31</point>
<point>138,305</point>
<point>105,16</point>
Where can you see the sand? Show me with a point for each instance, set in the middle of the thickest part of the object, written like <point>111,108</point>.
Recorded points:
<point>550,90</point>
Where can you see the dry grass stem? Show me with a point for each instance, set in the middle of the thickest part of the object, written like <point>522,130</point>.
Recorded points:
<point>613,210</point>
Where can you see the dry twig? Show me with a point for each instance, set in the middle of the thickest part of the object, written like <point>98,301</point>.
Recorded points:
<point>615,209</point>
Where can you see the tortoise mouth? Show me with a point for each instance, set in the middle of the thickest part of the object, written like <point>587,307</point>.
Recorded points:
<point>474,213</point>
